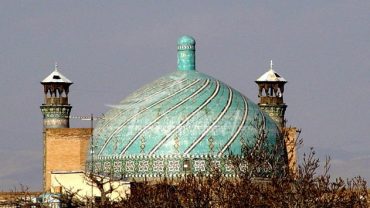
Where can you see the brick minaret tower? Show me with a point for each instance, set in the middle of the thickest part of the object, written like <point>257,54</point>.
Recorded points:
<point>65,148</point>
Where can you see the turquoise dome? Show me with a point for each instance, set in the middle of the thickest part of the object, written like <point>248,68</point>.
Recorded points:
<point>174,124</point>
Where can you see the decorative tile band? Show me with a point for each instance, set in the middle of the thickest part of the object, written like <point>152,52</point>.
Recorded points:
<point>186,47</point>
<point>139,166</point>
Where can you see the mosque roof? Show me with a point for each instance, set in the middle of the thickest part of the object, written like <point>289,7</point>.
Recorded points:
<point>185,114</point>
<point>56,77</point>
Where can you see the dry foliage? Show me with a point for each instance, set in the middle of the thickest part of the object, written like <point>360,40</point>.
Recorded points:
<point>263,180</point>
<point>273,185</point>
<point>305,189</point>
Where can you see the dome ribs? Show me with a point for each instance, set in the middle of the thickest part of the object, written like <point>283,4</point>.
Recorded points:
<point>187,151</point>
<point>231,140</point>
<point>107,120</point>
<point>159,117</point>
<point>145,109</point>
<point>186,119</point>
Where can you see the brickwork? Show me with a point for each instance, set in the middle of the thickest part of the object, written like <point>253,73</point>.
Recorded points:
<point>66,150</point>
<point>290,137</point>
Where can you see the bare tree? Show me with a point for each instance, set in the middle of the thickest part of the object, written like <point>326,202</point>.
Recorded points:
<point>262,179</point>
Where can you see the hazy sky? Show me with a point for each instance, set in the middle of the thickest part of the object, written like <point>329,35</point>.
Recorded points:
<point>111,48</point>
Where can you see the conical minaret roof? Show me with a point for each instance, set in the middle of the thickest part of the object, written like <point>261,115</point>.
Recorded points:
<point>271,76</point>
<point>56,77</point>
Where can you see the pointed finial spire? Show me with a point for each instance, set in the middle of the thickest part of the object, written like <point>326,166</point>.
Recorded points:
<point>271,65</point>
<point>56,66</point>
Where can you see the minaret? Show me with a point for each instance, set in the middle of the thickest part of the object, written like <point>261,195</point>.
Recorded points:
<point>65,148</point>
<point>271,99</point>
<point>56,109</point>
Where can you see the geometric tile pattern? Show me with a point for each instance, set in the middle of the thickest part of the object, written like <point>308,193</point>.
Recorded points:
<point>140,166</point>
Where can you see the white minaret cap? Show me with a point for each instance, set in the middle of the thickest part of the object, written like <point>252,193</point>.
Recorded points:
<point>271,76</point>
<point>56,77</point>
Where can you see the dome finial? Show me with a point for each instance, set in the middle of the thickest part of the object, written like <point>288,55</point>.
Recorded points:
<point>186,53</point>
